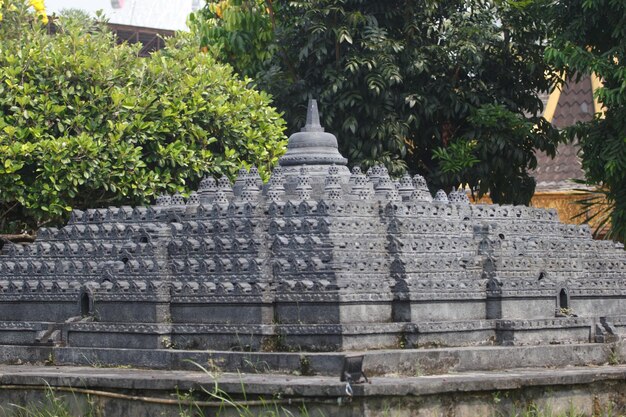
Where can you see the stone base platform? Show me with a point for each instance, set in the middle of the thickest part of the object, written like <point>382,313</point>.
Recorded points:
<point>315,337</point>
<point>406,362</point>
<point>115,392</point>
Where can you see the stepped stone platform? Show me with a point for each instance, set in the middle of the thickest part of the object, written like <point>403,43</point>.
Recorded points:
<point>398,362</point>
<point>319,259</point>
<point>588,391</point>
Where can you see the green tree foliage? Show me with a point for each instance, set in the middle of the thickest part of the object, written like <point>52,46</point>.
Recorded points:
<point>592,39</point>
<point>444,88</point>
<point>86,123</point>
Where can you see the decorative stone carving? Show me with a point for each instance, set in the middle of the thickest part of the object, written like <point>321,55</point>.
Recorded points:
<point>458,197</point>
<point>406,187</point>
<point>332,188</point>
<point>206,190</point>
<point>441,197</point>
<point>312,146</point>
<point>304,187</point>
<point>178,200</point>
<point>162,200</point>
<point>421,192</point>
<point>276,185</point>
<point>315,251</point>
<point>384,188</point>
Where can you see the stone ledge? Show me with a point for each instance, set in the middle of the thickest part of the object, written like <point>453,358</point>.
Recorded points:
<point>303,386</point>
<point>407,362</point>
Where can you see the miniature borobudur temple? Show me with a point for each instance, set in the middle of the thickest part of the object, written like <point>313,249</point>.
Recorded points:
<point>318,259</point>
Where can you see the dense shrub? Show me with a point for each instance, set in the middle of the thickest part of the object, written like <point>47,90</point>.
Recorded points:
<point>86,123</point>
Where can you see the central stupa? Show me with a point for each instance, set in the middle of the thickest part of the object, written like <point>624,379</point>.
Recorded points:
<point>315,150</point>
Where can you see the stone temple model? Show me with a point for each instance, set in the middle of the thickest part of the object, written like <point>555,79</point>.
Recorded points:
<point>317,259</point>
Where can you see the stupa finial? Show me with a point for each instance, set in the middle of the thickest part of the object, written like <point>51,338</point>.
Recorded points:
<point>312,146</point>
<point>312,118</point>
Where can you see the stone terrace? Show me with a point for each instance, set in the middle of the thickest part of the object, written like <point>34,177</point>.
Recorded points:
<point>318,259</point>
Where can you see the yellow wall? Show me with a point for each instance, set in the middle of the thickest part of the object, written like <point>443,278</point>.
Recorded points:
<point>563,202</point>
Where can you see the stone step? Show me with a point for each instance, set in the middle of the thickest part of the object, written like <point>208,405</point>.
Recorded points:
<point>583,390</point>
<point>405,362</point>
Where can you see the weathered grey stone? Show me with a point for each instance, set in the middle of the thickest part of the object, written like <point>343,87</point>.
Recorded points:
<point>317,259</point>
<point>582,390</point>
<point>312,146</point>
<point>441,197</point>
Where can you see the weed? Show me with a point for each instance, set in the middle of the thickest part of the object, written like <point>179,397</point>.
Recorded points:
<point>614,356</point>
<point>533,410</point>
<point>221,405</point>
<point>213,366</point>
<point>49,360</point>
<point>93,363</point>
<point>274,343</point>
<point>417,369</point>
<point>167,343</point>
<point>305,365</point>
<point>496,397</point>
<point>402,342</point>
<point>256,366</point>
<point>245,407</point>
<point>53,406</point>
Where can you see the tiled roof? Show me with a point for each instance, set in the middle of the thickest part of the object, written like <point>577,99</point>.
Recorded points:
<point>575,104</point>
<point>556,174</point>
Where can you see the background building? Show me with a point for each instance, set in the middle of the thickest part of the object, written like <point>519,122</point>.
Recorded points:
<point>133,21</point>
<point>555,188</point>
